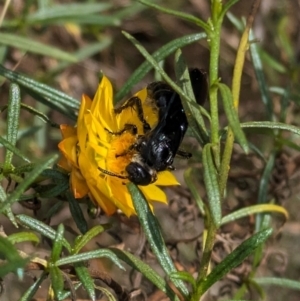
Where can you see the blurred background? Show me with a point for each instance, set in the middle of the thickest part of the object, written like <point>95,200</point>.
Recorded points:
<point>91,31</point>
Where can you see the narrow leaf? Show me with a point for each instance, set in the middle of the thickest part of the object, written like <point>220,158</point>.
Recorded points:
<point>184,276</point>
<point>41,228</point>
<point>16,265</point>
<point>235,258</point>
<point>62,11</point>
<point>178,14</point>
<point>211,184</point>
<point>86,280</point>
<point>158,55</point>
<point>152,231</point>
<point>8,212</point>
<point>263,86</point>
<point>281,282</point>
<point>264,187</point>
<point>255,209</point>
<point>13,260</point>
<point>77,213</point>
<point>84,239</point>
<point>193,112</point>
<point>13,115</point>
<point>271,125</point>
<point>90,255</point>
<point>83,53</point>
<point>23,236</point>
<point>147,272</point>
<point>28,44</point>
<point>232,116</point>
<point>13,149</point>
<point>29,294</point>
<point>51,95</point>
<point>57,281</point>
<point>192,183</point>
<point>28,180</point>
<point>57,244</point>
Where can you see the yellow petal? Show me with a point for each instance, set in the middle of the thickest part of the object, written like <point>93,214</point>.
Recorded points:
<point>154,193</point>
<point>102,106</point>
<point>78,184</point>
<point>81,121</point>
<point>67,130</point>
<point>68,149</point>
<point>166,178</point>
<point>64,164</point>
<point>121,195</point>
<point>102,200</point>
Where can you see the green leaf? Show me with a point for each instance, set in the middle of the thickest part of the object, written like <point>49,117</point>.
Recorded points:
<point>28,180</point>
<point>57,281</point>
<point>178,14</point>
<point>53,103</point>
<point>94,19</point>
<point>184,276</point>
<point>254,209</point>
<point>64,11</point>
<point>147,272</point>
<point>15,265</point>
<point>13,115</point>
<point>264,187</point>
<point>52,190</point>
<point>14,261</point>
<point>39,114</point>
<point>28,44</point>
<point>90,255</point>
<point>232,116</point>
<point>263,86</point>
<point>77,213</point>
<point>29,294</point>
<point>281,282</point>
<point>41,228</point>
<point>83,53</point>
<point>158,55</point>
<point>86,280</point>
<point>23,236</point>
<point>152,231</point>
<point>67,294</point>
<point>193,111</point>
<point>235,258</point>
<point>49,96</point>
<point>212,186</point>
<point>57,244</point>
<point>192,183</point>
<point>84,239</point>
<point>13,149</point>
<point>8,212</point>
<point>271,125</point>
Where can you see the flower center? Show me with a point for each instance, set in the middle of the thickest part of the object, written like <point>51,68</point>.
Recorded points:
<point>119,155</point>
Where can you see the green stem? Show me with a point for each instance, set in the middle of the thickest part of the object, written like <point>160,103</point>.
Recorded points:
<point>214,39</point>
<point>205,261</point>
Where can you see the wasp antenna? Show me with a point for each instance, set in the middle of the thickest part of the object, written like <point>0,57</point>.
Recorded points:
<point>109,173</point>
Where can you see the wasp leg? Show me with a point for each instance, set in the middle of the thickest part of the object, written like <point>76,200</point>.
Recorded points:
<point>135,102</point>
<point>128,127</point>
<point>109,173</point>
<point>183,154</point>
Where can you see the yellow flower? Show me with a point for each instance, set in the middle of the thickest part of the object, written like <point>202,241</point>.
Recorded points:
<point>91,145</point>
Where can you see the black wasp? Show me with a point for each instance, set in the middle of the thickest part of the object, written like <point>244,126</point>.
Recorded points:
<point>154,151</point>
